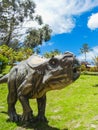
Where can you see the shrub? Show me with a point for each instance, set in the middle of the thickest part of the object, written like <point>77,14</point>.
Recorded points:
<point>4,61</point>
<point>83,68</point>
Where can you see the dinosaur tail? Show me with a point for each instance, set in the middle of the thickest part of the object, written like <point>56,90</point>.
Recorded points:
<point>4,79</point>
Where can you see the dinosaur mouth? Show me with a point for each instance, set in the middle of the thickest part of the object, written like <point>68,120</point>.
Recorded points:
<point>76,72</point>
<point>59,83</point>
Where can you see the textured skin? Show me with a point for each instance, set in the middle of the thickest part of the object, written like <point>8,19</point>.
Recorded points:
<point>30,80</point>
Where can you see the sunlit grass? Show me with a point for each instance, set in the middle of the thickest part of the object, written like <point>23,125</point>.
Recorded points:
<point>72,108</point>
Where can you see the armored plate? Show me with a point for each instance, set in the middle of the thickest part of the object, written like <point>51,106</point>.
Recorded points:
<point>36,60</point>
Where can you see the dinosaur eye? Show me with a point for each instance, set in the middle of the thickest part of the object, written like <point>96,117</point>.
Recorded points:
<point>53,62</point>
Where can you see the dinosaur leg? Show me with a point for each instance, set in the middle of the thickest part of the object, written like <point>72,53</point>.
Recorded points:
<point>12,98</point>
<point>27,112</point>
<point>41,102</point>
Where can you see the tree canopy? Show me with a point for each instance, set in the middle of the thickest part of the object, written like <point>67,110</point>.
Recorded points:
<point>36,37</point>
<point>52,53</point>
<point>13,13</point>
<point>8,55</point>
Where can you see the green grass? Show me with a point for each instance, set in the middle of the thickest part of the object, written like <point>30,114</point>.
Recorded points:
<point>72,108</point>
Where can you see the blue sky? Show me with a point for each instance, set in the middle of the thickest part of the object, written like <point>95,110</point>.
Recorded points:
<point>73,22</point>
<point>73,41</point>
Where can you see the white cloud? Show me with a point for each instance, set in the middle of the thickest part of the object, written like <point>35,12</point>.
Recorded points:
<point>93,21</point>
<point>59,14</point>
<point>50,43</point>
<point>46,44</point>
<point>90,55</point>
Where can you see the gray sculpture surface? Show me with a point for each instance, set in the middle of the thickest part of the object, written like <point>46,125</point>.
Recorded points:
<point>35,76</point>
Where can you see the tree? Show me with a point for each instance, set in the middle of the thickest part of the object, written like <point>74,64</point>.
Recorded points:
<point>36,37</point>
<point>95,61</point>
<point>8,55</point>
<point>23,54</point>
<point>85,49</point>
<point>13,13</point>
<point>52,53</point>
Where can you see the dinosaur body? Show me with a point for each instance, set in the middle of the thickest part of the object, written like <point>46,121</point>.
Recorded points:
<point>35,76</point>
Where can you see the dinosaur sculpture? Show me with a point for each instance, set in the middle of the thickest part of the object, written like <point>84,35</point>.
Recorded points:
<point>35,76</point>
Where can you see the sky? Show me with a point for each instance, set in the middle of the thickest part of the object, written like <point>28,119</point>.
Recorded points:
<point>73,22</point>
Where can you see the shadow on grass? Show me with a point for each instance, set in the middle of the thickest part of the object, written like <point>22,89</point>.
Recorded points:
<point>96,85</point>
<point>33,125</point>
<point>36,126</point>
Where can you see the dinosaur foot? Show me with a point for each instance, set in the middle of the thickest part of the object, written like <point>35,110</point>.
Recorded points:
<point>41,119</point>
<point>14,117</point>
<point>27,117</point>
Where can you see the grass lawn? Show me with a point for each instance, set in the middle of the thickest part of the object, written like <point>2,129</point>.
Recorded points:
<point>72,108</point>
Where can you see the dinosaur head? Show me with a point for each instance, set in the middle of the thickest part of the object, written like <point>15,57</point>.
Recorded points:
<point>60,71</point>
